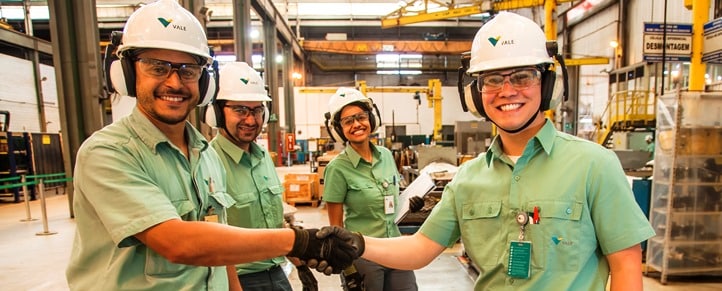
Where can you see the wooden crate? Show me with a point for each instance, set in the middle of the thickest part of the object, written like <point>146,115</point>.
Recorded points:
<point>312,178</point>
<point>302,177</point>
<point>302,191</point>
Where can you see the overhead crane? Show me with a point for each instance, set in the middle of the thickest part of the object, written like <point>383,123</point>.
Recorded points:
<point>433,97</point>
<point>432,91</point>
<point>409,14</point>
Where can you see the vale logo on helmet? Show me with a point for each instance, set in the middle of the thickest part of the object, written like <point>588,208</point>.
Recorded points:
<point>167,22</point>
<point>495,40</point>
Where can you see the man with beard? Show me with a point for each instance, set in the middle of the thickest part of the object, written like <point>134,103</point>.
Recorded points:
<point>240,113</point>
<point>150,193</point>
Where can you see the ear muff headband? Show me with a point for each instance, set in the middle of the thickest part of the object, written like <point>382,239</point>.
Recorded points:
<point>109,58</point>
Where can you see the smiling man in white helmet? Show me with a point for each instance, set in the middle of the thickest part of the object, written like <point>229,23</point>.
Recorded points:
<point>150,193</point>
<point>541,209</point>
<point>240,113</point>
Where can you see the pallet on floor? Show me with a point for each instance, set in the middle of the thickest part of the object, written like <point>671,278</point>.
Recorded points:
<point>313,203</point>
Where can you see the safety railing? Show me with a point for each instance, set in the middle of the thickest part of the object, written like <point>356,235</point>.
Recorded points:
<point>40,180</point>
<point>625,111</point>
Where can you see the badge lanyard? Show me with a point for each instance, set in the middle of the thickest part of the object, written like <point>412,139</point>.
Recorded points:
<point>520,251</point>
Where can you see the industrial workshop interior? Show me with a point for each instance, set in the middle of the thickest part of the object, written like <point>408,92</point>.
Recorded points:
<point>641,79</point>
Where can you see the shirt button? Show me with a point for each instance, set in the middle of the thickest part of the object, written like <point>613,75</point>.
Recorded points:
<point>516,178</point>
<point>471,212</point>
<point>569,211</point>
<point>511,281</point>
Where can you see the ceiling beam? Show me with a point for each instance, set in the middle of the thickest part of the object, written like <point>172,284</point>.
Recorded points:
<point>361,47</point>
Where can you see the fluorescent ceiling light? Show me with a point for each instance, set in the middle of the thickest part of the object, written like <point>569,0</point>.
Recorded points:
<point>399,72</point>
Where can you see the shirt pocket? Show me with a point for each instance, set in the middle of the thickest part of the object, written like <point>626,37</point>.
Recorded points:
<point>219,203</point>
<point>482,219</point>
<point>275,190</point>
<point>241,213</point>
<point>363,193</point>
<point>556,237</point>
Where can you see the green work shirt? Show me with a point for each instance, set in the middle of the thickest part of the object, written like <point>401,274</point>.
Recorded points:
<point>361,187</point>
<point>254,184</point>
<point>129,177</point>
<point>586,211</point>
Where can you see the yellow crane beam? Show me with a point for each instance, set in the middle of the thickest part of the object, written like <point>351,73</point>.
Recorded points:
<point>586,61</point>
<point>432,91</point>
<point>433,97</point>
<point>407,14</point>
<point>365,47</point>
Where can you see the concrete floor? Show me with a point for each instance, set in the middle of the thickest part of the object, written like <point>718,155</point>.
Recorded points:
<point>37,262</point>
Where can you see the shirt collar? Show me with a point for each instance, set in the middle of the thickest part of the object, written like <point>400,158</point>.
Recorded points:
<point>545,138</point>
<point>354,156</point>
<point>151,136</point>
<point>236,153</point>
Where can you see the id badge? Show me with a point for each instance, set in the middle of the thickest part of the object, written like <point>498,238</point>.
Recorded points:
<point>519,259</point>
<point>389,205</point>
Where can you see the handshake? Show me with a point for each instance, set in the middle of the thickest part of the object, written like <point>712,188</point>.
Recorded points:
<point>329,250</point>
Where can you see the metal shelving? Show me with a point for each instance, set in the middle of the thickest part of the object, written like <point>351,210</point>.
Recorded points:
<point>686,191</point>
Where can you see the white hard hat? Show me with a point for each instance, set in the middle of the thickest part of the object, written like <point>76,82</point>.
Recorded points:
<point>165,25</point>
<point>508,40</point>
<point>239,82</point>
<point>648,138</point>
<point>345,96</point>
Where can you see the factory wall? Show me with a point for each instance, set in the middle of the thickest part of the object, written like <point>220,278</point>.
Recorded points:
<point>18,95</point>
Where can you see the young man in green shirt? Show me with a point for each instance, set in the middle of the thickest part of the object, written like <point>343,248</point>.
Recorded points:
<point>541,209</point>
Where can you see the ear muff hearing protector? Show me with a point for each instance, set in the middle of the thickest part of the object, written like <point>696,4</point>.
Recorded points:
<point>471,97</point>
<point>120,73</point>
<point>335,130</point>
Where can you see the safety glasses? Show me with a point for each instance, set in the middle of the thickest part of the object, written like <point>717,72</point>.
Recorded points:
<point>360,117</point>
<point>163,69</point>
<point>519,79</point>
<point>245,111</point>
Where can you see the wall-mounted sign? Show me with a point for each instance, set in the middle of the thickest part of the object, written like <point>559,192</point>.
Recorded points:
<point>712,51</point>
<point>676,45</point>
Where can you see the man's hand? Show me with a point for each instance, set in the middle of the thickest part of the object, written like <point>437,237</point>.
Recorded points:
<point>416,203</point>
<point>328,252</point>
<point>354,239</point>
<point>307,279</point>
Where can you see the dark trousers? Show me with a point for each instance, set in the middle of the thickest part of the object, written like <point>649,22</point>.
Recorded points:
<point>273,279</point>
<point>378,277</point>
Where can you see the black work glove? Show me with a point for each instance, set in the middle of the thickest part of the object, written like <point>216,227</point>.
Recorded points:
<point>328,253</point>
<point>307,279</point>
<point>416,203</point>
<point>352,238</point>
